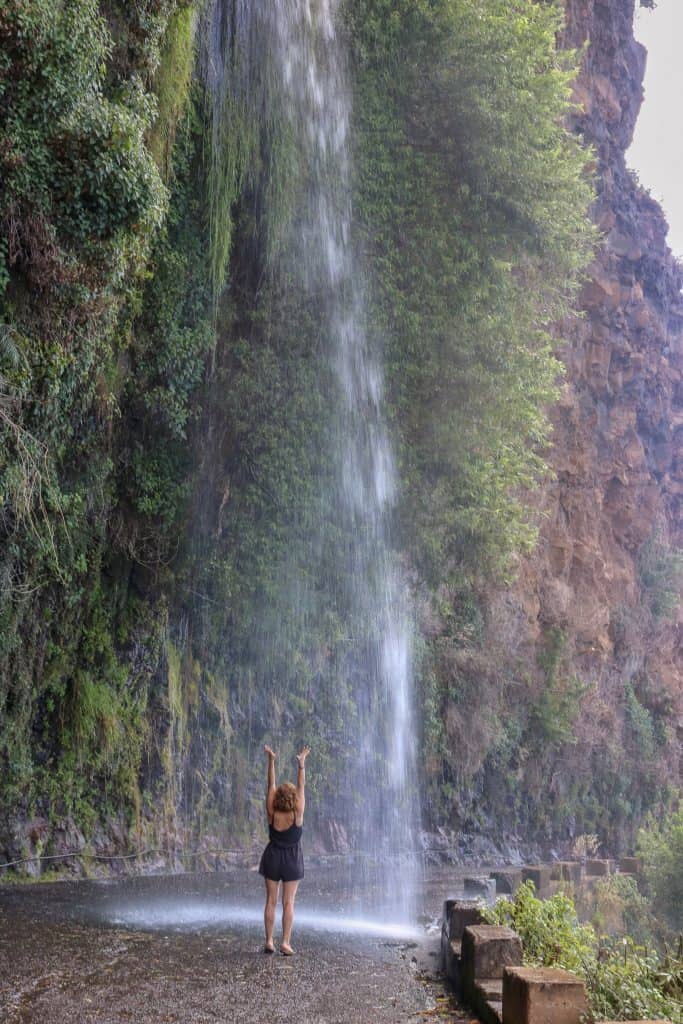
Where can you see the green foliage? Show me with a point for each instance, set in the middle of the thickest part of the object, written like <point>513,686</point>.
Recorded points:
<point>250,152</point>
<point>620,909</point>
<point>623,981</point>
<point>473,202</point>
<point>71,153</point>
<point>172,85</point>
<point>557,707</point>
<point>171,338</point>
<point>626,982</point>
<point>472,205</point>
<point>661,576</point>
<point>640,724</point>
<point>549,929</point>
<point>81,202</point>
<point>660,844</point>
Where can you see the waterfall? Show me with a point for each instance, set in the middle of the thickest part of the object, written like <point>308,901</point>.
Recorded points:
<point>285,60</point>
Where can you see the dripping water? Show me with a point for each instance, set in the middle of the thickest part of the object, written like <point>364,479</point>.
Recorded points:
<point>286,60</point>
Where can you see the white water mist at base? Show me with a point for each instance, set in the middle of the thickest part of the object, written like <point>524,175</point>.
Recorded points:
<point>192,913</point>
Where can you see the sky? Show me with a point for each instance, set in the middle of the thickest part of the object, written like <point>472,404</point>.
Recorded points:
<point>657,151</point>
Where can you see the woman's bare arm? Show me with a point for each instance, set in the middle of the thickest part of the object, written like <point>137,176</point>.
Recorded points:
<point>301,784</point>
<point>270,785</point>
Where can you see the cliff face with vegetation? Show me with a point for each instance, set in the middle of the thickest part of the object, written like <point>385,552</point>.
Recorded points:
<point>164,423</point>
<point>593,614</point>
<point>604,579</point>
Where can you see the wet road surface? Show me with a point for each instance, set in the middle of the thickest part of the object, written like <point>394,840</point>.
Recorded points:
<point>187,949</point>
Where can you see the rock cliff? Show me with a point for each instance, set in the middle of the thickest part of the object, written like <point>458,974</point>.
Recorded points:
<point>611,517</point>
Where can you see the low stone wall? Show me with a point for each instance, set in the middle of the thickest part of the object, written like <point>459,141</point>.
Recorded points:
<point>549,878</point>
<point>483,963</point>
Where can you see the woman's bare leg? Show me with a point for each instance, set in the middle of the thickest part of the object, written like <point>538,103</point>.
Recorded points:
<point>269,912</point>
<point>288,897</point>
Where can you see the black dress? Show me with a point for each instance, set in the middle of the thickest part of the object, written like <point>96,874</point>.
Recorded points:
<point>282,859</point>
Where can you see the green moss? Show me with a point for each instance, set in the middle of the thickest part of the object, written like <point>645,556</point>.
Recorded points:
<point>172,85</point>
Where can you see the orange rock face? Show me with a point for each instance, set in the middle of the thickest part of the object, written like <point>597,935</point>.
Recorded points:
<point>618,426</point>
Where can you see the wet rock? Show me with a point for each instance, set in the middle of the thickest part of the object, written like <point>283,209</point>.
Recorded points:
<point>480,886</point>
<point>335,837</point>
<point>507,882</point>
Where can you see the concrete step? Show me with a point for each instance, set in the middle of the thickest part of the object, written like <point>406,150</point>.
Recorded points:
<point>490,988</point>
<point>486,951</point>
<point>496,1012</point>
<point>538,995</point>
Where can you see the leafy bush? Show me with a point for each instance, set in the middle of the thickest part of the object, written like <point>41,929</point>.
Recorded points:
<point>660,844</point>
<point>626,982</point>
<point>69,151</point>
<point>661,575</point>
<point>549,929</point>
<point>616,906</point>
<point>473,203</point>
<point>623,981</point>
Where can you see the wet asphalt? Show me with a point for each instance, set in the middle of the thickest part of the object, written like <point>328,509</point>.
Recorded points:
<point>188,949</point>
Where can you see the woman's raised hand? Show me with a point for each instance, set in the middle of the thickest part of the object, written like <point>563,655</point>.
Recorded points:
<point>302,755</point>
<point>270,752</point>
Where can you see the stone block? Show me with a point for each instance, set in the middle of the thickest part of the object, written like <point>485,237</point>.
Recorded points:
<point>462,914</point>
<point>630,865</point>
<point>539,874</point>
<point>486,951</point>
<point>444,946</point>
<point>572,871</point>
<point>491,989</point>
<point>451,962</point>
<point>487,1000</point>
<point>597,868</point>
<point>566,871</point>
<point>508,881</point>
<point>448,905</point>
<point>480,886</point>
<point>542,995</point>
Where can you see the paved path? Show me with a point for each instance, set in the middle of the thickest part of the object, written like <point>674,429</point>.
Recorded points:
<point>58,968</point>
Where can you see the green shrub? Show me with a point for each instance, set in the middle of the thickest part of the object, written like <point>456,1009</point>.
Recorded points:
<point>623,981</point>
<point>557,706</point>
<point>660,844</point>
<point>70,152</point>
<point>472,200</point>
<point>549,929</point>
<point>619,908</point>
<point>661,575</point>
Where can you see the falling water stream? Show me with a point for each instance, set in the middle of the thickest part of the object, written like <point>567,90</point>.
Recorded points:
<point>290,53</point>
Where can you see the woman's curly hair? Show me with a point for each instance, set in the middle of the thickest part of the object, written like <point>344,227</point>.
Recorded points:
<point>285,797</point>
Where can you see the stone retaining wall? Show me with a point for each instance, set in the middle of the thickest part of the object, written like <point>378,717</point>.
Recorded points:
<point>483,963</point>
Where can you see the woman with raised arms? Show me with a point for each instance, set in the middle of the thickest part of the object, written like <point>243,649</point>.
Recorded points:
<point>282,859</point>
